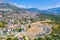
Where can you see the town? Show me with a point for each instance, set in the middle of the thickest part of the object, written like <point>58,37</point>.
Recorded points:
<point>18,23</point>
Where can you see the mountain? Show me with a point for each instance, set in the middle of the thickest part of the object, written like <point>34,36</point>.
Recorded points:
<point>15,8</point>
<point>6,5</point>
<point>33,10</point>
<point>54,10</point>
<point>48,11</point>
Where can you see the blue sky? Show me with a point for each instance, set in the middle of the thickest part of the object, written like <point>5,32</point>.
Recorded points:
<point>41,4</point>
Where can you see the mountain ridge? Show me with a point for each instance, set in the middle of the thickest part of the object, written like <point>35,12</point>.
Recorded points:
<point>48,11</point>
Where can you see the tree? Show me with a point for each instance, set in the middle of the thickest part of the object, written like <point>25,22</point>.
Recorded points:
<point>32,20</point>
<point>8,38</point>
<point>20,29</point>
<point>48,38</point>
<point>16,38</point>
<point>4,22</point>
<point>1,25</point>
<point>24,37</point>
<point>35,39</point>
<point>39,38</point>
<point>29,26</point>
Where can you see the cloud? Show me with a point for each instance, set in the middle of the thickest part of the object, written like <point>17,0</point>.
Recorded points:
<point>55,6</point>
<point>21,6</point>
<point>24,6</point>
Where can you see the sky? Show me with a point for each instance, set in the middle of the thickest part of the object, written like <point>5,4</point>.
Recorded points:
<point>40,4</point>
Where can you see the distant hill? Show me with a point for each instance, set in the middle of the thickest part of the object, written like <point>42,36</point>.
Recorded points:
<point>15,8</point>
<point>48,11</point>
<point>34,10</point>
<point>54,10</point>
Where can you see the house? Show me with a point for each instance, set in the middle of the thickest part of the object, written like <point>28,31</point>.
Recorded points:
<point>0,15</point>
